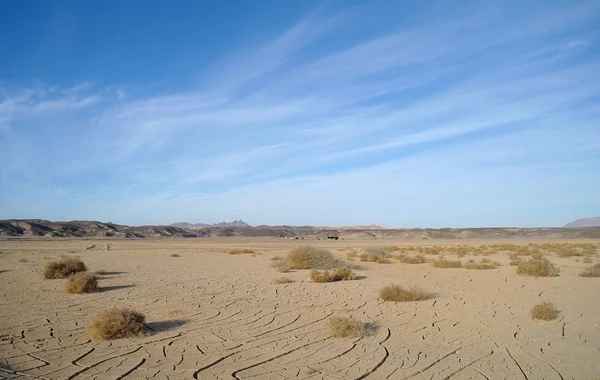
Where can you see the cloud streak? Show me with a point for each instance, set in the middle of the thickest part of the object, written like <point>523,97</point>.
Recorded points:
<point>470,92</point>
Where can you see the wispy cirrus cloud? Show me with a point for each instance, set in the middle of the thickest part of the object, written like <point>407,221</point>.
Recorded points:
<point>473,89</point>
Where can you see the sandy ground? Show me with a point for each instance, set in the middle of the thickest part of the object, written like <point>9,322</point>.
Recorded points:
<point>216,315</point>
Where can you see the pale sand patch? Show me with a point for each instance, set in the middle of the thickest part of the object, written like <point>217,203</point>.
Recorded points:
<point>216,315</point>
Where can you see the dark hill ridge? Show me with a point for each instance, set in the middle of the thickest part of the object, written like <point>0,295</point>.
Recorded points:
<point>93,229</point>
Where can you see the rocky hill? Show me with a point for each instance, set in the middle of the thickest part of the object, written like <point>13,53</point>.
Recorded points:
<point>584,222</point>
<point>92,229</point>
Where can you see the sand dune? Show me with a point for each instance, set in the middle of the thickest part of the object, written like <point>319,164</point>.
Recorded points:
<point>216,315</point>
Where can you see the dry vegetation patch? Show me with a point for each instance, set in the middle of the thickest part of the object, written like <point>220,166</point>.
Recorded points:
<point>593,271</point>
<point>447,264</point>
<point>397,293</point>
<point>411,259</point>
<point>544,311</point>
<point>338,274</point>
<point>116,324</point>
<point>81,282</point>
<point>313,258</point>
<point>63,268</point>
<point>537,268</point>
<point>175,255</point>
<point>341,327</point>
<point>484,264</point>
<point>376,255</point>
<point>238,251</point>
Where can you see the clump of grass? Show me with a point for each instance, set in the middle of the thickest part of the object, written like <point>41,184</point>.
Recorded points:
<point>447,264</point>
<point>484,264</point>
<point>313,258</point>
<point>282,280</point>
<point>397,293</point>
<point>116,324</point>
<point>351,254</point>
<point>587,260</point>
<point>593,271</point>
<point>101,272</point>
<point>175,255</point>
<point>376,255</point>
<point>411,259</point>
<point>82,283</point>
<point>544,311</point>
<point>339,274</point>
<point>63,268</point>
<point>23,260</point>
<point>341,327</point>
<point>238,251</point>
<point>275,258</point>
<point>537,268</point>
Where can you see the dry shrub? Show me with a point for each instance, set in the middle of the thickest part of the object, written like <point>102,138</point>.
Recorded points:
<point>537,255</point>
<point>396,293</point>
<point>447,264</point>
<point>587,260</point>
<point>341,327</point>
<point>376,255</point>
<point>82,283</point>
<point>63,268</point>
<point>411,259</point>
<point>544,311</point>
<point>175,255</point>
<point>313,258</point>
<point>516,261</point>
<point>23,260</point>
<point>339,274</point>
<point>593,271</point>
<point>483,265</point>
<point>538,268</point>
<point>282,280</point>
<point>351,254</point>
<point>275,258</point>
<point>238,251</point>
<point>116,324</point>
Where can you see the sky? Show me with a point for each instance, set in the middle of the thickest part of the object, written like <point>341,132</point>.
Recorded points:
<point>395,113</point>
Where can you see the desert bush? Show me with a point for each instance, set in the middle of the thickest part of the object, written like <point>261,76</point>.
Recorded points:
<point>63,268</point>
<point>282,280</point>
<point>411,259</point>
<point>341,327</point>
<point>116,324</point>
<point>275,258</point>
<point>238,251</point>
<point>175,255</point>
<point>338,274</point>
<point>81,282</point>
<point>313,258</point>
<point>378,255</point>
<point>593,271</point>
<point>397,293</point>
<point>538,268</point>
<point>23,260</point>
<point>587,260</point>
<point>351,254</point>
<point>545,311</point>
<point>484,264</point>
<point>447,264</point>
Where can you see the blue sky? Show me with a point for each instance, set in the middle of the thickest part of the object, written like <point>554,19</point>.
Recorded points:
<point>402,114</point>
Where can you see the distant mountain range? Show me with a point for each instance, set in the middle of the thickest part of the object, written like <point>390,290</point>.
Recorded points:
<point>31,228</point>
<point>192,226</point>
<point>584,222</point>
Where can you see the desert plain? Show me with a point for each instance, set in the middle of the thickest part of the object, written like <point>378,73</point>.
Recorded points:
<point>211,313</point>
